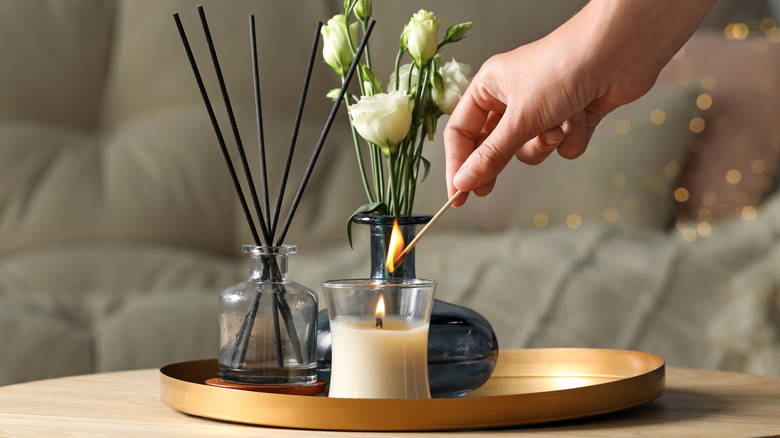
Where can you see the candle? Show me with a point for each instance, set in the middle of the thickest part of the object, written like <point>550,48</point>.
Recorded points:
<point>379,337</point>
<point>371,362</point>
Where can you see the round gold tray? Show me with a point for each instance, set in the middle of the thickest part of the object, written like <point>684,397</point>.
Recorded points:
<point>527,387</point>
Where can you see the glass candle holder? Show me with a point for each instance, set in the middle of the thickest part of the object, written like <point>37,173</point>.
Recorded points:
<point>379,336</point>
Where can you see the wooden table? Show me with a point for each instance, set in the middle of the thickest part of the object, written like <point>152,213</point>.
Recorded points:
<point>121,404</point>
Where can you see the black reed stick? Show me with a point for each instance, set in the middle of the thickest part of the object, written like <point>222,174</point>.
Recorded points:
<point>218,132</point>
<point>234,126</point>
<point>297,125</point>
<point>325,131</point>
<point>260,136</point>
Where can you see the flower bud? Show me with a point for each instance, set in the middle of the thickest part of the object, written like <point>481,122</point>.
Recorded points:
<point>421,37</point>
<point>455,79</point>
<point>336,49</point>
<point>383,119</point>
<point>363,10</point>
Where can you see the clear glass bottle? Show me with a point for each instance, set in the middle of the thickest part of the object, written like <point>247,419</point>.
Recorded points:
<point>268,324</point>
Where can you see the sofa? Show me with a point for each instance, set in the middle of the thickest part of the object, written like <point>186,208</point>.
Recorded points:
<point>119,224</point>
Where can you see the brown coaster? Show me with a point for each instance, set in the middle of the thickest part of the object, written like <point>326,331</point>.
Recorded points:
<point>305,389</point>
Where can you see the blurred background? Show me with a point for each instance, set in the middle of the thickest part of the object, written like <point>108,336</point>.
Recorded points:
<point>119,224</point>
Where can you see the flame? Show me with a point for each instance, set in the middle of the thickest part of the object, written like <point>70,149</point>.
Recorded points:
<point>380,307</point>
<point>394,248</point>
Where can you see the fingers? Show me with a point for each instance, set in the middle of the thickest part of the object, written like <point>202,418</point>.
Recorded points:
<point>475,117</point>
<point>541,146</point>
<point>576,136</point>
<point>480,169</point>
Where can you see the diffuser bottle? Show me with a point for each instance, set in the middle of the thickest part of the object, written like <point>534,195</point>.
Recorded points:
<point>268,324</point>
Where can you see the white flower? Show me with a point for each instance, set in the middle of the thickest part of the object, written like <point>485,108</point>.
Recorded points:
<point>455,79</point>
<point>421,36</point>
<point>383,119</point>
<point>403,72</point>
<point>336,48</point>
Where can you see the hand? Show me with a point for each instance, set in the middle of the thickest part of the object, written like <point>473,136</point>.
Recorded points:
<point>551,94</point>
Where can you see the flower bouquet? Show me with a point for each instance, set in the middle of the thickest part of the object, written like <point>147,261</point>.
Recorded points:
<point>395,123</point>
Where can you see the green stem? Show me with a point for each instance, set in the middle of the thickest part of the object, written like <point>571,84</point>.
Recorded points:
<point>398,69</point>
<point>368,53</point>
<point>379,173</point>
<point>359,153</point>
<point>415,171</point>
<point>393,189</point>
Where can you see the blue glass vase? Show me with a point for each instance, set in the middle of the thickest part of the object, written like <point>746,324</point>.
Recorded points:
<point>462,347</point>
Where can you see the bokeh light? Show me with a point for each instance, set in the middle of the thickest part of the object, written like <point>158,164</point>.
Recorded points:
<point>657,117</point>
<point>681,194</point>
<point>704,101</point>
<point>733,176</point>
<point>703,229</point>
<point>541,220</point>
<point>622,127</point>
<point>697,125</point>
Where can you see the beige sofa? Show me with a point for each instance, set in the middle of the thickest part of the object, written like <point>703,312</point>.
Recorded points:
<point>119,225</point>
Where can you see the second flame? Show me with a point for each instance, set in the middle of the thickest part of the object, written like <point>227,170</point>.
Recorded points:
<point>380,312</point>
<point>394,247</point>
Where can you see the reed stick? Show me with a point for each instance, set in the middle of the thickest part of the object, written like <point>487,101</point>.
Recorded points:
<point>296,126</point>
<point>260,133</point>
<point>234,126</point>
<point>217,130</point>
<point>326,130</point>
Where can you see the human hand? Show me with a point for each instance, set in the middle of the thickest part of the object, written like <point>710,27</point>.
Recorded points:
<point>551,94</point>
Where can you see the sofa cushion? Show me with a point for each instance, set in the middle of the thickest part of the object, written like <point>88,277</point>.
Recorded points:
<point>734,164</point>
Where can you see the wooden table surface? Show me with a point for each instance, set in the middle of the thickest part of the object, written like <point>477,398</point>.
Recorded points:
<point>696,403</point>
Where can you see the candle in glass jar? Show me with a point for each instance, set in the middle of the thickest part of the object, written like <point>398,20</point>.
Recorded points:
<point>373,362</point>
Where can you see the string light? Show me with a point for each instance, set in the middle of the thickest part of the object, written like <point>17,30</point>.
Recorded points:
<point>704,101</point>
<point>681,194</point>
<point>657,117</point>
<point>573,221</point>
<point>541,220</point>
<point>697,125</point>
<point>733,176</point>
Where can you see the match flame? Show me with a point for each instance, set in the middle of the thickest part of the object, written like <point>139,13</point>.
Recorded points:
<point>380,307</point>
<point>394,247</point>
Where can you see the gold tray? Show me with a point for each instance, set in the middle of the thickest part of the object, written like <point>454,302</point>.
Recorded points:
<point>527,387</point>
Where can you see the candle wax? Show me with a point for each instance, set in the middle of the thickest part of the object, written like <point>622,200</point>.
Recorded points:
<point>368,362</point>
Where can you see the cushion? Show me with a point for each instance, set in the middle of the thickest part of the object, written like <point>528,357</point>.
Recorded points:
<point>734,165</point>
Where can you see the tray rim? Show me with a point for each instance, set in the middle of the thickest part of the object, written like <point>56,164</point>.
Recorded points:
<point>471,412</point>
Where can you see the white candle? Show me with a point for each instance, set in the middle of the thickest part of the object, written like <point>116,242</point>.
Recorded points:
<point>370,362</point>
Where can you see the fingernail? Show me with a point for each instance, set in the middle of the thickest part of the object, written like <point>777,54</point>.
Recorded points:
<point>465,179</point>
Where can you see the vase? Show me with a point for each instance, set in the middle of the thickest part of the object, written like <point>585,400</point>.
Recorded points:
<point>268,324</point>
<point>462,346</point>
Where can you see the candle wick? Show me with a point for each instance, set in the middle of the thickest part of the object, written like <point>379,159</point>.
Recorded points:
<point>379,323</point>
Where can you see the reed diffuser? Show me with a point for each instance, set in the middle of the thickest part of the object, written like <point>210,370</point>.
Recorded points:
<point>268,324</point>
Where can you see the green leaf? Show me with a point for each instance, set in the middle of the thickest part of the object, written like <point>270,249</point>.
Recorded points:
<point>426,168</point>
<point>370,79</point>
<point>333,94</point>
<point>429,119</point>
<point>456,33</point>
<point>437,82</point>
<point>370,208</point>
